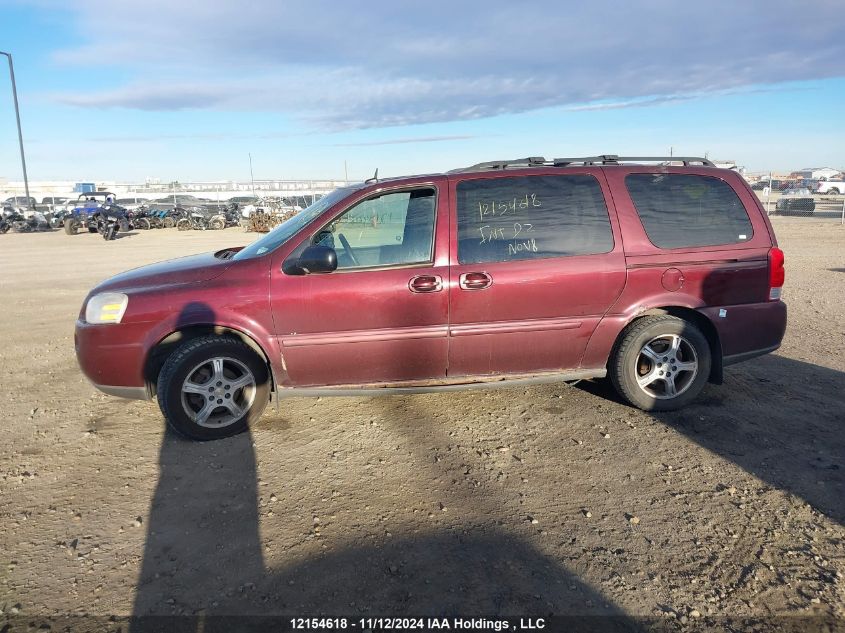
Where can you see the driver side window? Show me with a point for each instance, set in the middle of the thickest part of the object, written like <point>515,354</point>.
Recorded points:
<point>392,229</point>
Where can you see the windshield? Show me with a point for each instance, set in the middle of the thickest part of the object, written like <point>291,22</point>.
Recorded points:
<point>290,227</point>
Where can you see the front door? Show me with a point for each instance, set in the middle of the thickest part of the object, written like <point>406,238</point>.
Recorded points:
<point>536,262</point>
<point>382,316</point>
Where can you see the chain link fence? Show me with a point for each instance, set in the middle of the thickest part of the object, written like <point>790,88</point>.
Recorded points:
<point>793,196</point>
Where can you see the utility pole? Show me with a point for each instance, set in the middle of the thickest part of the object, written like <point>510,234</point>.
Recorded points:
<point>251,177</point>
<point>18,118</point>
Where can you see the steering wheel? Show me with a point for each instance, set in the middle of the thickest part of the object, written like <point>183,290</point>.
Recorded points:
<point>345,243</point>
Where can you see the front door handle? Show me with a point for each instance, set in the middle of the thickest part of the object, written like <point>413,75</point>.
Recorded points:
<point>426,283</point>
<point>475,281</point>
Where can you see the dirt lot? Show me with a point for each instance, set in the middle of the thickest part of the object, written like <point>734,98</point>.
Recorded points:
<point>554,499</point>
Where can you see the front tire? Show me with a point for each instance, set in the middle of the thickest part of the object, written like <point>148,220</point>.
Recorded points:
<point>213,387</point>
<point>660,364</point>
<point>70,226</point>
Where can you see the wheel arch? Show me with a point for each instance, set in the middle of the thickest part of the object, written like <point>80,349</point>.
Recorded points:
<point>161,351</point>
<point>693,316</point>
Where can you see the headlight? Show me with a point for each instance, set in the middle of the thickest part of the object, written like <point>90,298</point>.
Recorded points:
<point>107,307</point>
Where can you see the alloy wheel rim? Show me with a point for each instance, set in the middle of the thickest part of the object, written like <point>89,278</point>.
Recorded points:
<point>666,366</point>
<point>218,392</point>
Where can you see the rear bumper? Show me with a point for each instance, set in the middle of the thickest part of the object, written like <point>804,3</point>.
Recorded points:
<point>112,357</point>
<point>748,330</point>
<point>738,358</point>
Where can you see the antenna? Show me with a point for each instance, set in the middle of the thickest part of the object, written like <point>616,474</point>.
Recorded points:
<point>374,178</point>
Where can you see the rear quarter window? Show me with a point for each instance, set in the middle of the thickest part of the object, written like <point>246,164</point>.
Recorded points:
<point>531,217</point>
<point>686,210</point>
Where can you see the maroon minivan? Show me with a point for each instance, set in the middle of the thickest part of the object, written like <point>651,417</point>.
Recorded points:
<point>655,272</point>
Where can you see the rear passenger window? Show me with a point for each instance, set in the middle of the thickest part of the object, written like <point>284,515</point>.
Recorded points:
<point>682,210</point>
<point>531,217</point>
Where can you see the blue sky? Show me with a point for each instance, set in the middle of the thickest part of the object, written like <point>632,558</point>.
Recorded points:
<point>124,90</point>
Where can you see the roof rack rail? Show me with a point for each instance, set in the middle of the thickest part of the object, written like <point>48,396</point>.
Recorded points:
<point>603,159</point>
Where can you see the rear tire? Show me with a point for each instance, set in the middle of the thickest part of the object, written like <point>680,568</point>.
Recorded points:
<point>198,390</point>
<point>183,225</point>
<point>661,363</point>
<point>169,222</point>
<point>143,224</point>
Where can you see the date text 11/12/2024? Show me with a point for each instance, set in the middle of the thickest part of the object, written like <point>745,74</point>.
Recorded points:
<point>416,624</point>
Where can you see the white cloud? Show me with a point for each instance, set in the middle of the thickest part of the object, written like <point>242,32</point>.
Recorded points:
<point>382,63</point>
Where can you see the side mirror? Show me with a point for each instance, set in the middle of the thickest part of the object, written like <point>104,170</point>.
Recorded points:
<point>317,259</point>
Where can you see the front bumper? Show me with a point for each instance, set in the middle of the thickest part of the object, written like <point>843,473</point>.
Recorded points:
<point>133,393</point>
<point>112,357</point>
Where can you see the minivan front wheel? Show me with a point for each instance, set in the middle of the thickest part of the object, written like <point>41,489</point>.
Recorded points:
<point>213,387</point>
<point>661,363</point>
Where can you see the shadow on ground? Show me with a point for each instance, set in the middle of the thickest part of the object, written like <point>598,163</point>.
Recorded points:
<point>203,557</point>
<point>776,418</point>
<point>779,419</point>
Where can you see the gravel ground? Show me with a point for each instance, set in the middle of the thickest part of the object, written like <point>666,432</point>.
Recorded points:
<point>553,499</point>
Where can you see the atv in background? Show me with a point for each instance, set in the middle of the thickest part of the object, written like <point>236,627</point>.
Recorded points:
<point>87,205</point>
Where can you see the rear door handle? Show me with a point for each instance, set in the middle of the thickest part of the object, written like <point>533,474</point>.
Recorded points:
<point>475,281</point>
<point>426,283</point>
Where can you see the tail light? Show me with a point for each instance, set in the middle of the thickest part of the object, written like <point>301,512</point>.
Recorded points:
<point>777,274</point>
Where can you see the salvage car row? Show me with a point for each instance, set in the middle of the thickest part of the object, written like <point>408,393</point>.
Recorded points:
<point>101,212</point>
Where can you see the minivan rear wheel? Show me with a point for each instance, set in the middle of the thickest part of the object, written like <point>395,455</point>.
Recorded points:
<point>661,363</point>
<point>213,387</point>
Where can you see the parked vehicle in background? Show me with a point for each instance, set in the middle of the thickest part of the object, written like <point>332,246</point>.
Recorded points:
<point>139,218</point>
<point>231,216</point>
<point>193,218</point>
<point>830,187</point>
<point>796,202</point>
<point>51,204</point>
<point>109,219</point>
<point>82,212</point>
<point>511,272</point>
<point>243,201</point>
<point>131,203</point>
<point>19,222</point>
<point>773,185</point>
<point>20,203</point>
<point>57,218</point>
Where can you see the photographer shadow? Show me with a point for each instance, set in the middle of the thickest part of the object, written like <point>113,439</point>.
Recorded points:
<point>203,566</point>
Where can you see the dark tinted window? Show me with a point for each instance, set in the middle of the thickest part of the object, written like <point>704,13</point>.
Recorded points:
<point>680,210</point>
<point>531,217</point>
